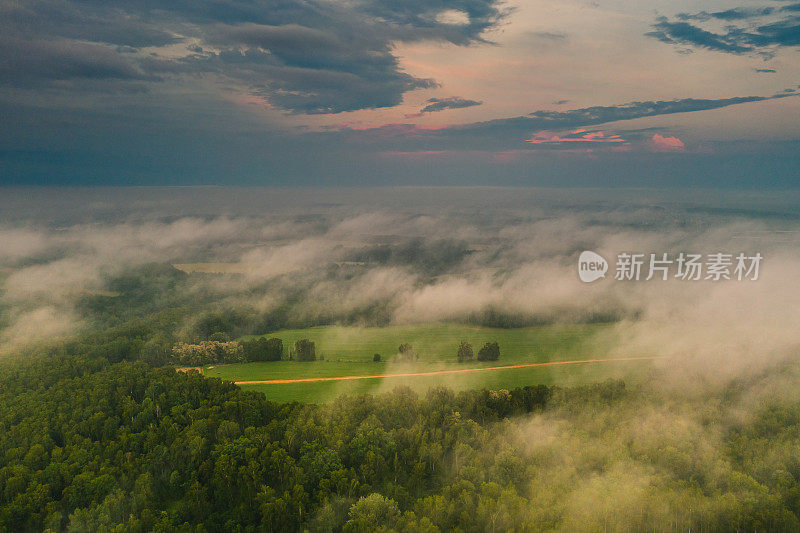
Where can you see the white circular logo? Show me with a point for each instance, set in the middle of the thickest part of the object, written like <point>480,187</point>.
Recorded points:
<point>591,266</point>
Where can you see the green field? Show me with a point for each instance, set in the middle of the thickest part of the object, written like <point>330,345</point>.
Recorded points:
<point>348,351</point>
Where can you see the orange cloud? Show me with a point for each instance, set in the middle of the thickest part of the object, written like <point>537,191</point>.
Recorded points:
<point>666,144</point>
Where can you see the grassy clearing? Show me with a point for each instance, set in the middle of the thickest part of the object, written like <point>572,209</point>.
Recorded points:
<point>348,351</point>
<point>439,342</point>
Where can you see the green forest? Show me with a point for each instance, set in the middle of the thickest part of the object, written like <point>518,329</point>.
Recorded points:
<point>89,445</point>
<point>98,432</point>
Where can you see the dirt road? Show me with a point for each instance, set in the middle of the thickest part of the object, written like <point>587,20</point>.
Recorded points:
<point>440,372</point>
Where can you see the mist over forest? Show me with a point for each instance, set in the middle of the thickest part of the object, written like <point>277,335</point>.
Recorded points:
<point>293,258</point>
<point>100,433</point>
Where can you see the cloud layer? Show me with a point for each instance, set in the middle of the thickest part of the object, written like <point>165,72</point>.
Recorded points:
<point>309,57</point>
<point>746,30</point>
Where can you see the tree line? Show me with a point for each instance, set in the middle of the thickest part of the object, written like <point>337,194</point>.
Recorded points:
<point>249,351</point>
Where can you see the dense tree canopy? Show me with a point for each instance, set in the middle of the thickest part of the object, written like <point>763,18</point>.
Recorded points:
<point>91,445</point>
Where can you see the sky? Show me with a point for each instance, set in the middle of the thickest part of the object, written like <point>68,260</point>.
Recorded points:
<point>607,93</point>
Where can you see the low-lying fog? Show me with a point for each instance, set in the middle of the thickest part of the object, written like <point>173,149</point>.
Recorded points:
<point>376,256</point>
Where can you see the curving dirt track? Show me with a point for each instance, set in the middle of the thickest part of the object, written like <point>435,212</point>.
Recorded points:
<point>439,372</point>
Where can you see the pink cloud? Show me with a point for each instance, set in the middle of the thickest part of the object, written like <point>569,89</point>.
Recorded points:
<point>666,144</point>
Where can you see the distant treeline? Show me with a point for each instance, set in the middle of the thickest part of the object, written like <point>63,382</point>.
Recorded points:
<point>491,317</point>
<point>227,352</point>
<point>177,307</point>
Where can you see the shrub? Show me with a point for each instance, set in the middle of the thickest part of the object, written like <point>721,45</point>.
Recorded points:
<point>465,352</point>
<point>489,352</point>
<point>405,352</point>
<point>304,350</point>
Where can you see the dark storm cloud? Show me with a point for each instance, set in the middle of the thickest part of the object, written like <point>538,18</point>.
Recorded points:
<point>453,102</point>
<point>604,114</point>
<point>738,13</point>
<point>29,62</point>
<point>689,34</point>
<point>306,57</point>
<point>751,30</point>
<point>99,22</point>
<point>510,131</point>
<point>310,70</point>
